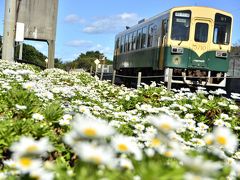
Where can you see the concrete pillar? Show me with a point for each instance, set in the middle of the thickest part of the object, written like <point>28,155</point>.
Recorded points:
<point>51,53</point>
<point>9,30</point>
<point>20,51</point>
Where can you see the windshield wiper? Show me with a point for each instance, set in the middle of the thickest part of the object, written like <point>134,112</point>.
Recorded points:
<point>180,42</point>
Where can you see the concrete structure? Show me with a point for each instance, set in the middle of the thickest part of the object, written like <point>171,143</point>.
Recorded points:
<point>40,19</point>
<point>9,30</point>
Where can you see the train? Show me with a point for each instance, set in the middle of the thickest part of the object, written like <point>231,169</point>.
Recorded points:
<point>184,45</point>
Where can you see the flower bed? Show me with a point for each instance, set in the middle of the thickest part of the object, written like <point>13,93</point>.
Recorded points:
<point>55,124</point>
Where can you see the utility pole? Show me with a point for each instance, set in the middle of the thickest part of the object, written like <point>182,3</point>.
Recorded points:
<point>9,30</point>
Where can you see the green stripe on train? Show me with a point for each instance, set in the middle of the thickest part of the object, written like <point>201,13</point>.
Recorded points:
<point>190,59</point>
<point>149,58</point>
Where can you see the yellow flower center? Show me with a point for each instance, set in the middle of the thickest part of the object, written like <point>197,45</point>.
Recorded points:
<point>155,142</point>
<point>222,140</point>
<point>165,126</point>
<point>96,159</point>
<point>32,148</point>
<point>90,132</point>
<point>122,147</point>
<point>26,162</point>
<point>209,141</point>
<point>29,87</point>
<point>168,154</point>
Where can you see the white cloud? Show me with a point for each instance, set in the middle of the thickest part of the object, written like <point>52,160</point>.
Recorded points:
<point>73,18</point>
<point>107,51</point>
<point>111,24</point>
<point>82,46</point>
<point>79,43</point>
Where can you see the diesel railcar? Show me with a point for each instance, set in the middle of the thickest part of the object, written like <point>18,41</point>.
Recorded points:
<point>189,44</point>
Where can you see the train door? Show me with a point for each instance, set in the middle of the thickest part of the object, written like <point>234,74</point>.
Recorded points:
<point>201,38</point>
<point>163,42</point>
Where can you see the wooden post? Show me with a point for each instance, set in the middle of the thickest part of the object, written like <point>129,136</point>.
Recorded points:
<point>169,84</point>
<point>101,77</point>
<point>113,78</point>
<point>139,79</point>
<point>91,69</point>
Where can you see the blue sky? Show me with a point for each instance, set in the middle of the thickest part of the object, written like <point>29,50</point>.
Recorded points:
<point>92,24</point>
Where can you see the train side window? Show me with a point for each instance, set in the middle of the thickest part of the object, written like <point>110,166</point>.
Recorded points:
<point>150,35</point>
<point>134,46</point>
<point>117,45</point>
<point>144,37</point>
<point>181,25</point>
<point>130,47</point>
<point>139,34</point>
<point>201,32</point>
<point>126,42</point>
<point>222,29</point>
<point>165,27</point>
<point>122,45</point>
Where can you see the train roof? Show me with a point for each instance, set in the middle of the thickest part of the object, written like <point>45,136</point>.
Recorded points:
<point>167,12</point>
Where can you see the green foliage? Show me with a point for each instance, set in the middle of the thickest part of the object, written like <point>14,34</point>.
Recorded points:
<point>31,54</point>
<point>53,112</point>
<point>85,61</point>
<point>18,96</point>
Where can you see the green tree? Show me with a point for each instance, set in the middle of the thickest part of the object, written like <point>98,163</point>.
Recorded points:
<point>236,48</point>
<point>31,54</point>
<point>59,64</point>
<point>85,61</point>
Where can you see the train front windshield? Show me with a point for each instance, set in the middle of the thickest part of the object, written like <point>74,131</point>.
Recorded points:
<point>222,29</point>
<point>181,25</point>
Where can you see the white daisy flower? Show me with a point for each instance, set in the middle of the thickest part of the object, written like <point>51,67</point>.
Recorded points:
<point>164,123</point>
<point>26,164</point>
<point>10,163</point>
<point>224,116</point>
<point>95,154</point>
<point>90,127</point>
<point>29,146</point>
<point>189,116</point>
<point>224,138</point>
<point>41,174</point>
<point>233,107</point>
<point>223,104</point>
<point>153,84</point>
<point>200,165</point>
<point>64,122</point>
<point>19,107</point>
<point>29,85</point>
<point>37,116</point>
<point>202,109</point>
<point>84,110</point>
<point>127,98</point>
<point>204,101</point>
<point>67,117</point>
<point>125,163</point>
<point>125,144</point>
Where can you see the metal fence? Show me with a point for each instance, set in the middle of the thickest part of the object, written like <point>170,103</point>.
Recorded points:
<point>234,66</point>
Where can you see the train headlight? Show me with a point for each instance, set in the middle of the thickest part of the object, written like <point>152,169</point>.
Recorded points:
<point>221,54</point>
<point>177,50</point>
